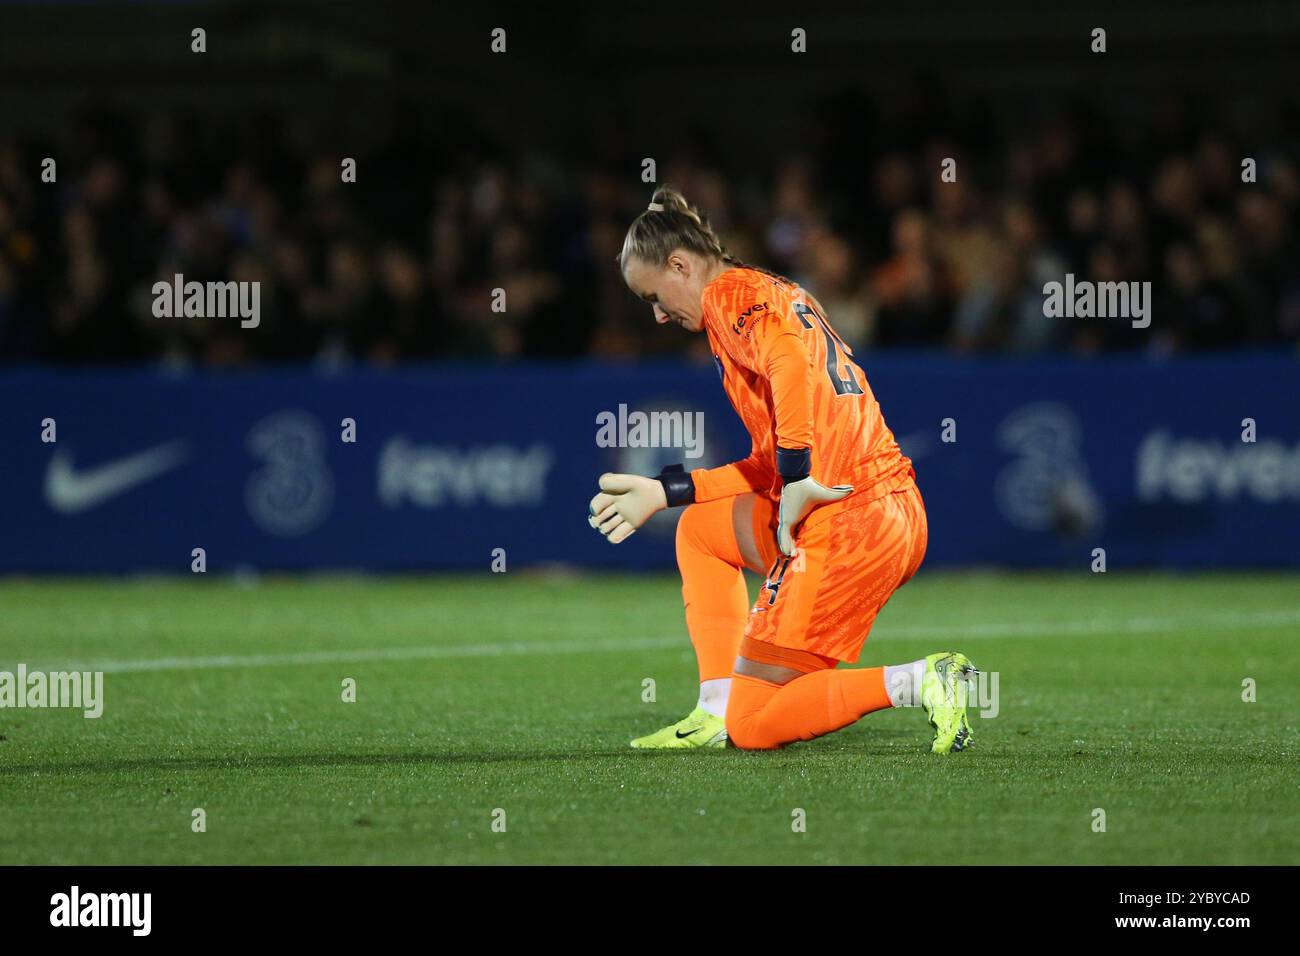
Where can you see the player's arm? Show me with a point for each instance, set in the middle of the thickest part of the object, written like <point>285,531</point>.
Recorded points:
<point>626,502</point>
<point>779,353</point>
<point>754,473</point>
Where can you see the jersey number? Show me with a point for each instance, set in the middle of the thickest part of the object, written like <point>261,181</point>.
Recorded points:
<point>836,352</point>
<point>775,577</point>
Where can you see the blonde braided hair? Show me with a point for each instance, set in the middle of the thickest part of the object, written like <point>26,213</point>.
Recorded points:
<point>668,223</point>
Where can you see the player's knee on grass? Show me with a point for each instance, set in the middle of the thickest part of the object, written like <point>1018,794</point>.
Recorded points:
<point>754,719</point>
<point>745,734</point>
<point>749,696</point>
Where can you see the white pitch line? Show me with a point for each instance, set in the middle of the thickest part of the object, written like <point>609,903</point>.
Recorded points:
<point>1132,625</point>
<point>432,652</point>
<point>956,632</point>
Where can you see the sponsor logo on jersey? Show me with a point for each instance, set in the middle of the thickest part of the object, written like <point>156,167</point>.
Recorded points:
<point>749,317</point>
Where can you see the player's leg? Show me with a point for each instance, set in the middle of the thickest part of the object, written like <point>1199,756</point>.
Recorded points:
<point>815,611</point>
<point>782,692</point>
<point>943,686</point>
<point>775,704</point>
<point>715,541</point>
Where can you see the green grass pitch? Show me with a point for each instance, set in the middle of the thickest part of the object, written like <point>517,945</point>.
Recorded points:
<point>519,692</point>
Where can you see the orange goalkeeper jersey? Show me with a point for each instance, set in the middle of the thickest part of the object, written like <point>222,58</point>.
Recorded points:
<point>794,384</point>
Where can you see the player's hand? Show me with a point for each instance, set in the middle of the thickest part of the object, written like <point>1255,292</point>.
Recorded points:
<point>798,498</point>
<point>625,503</point>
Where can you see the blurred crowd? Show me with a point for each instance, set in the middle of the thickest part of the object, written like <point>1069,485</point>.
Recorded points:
<point>402,263</point>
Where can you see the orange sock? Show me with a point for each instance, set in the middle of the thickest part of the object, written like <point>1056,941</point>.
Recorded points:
<point>713,587</point>
<point>762,715</point>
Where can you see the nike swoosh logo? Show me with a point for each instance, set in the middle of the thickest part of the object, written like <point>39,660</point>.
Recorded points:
<point>69,491</point>
<point>680,735</point>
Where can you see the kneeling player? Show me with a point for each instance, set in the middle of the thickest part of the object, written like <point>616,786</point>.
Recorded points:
<point>833,550</point>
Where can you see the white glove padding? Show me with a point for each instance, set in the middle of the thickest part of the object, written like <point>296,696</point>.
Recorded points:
<point>625,503</point>
<point>798,498</point>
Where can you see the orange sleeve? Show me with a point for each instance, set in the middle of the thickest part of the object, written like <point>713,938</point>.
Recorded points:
<point>766,341</point>
<point>752,474</point>
<point>774,347</point>
<point>788,369</point>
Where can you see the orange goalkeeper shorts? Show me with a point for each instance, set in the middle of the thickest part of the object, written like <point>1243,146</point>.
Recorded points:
<point>848,562</point>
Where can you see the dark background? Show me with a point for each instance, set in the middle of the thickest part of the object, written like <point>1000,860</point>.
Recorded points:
<point>521,171</point>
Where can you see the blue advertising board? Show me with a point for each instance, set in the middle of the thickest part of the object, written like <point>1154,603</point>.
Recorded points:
<point>1024,463</point>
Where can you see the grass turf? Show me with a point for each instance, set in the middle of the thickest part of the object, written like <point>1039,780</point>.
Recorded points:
<point>519,692</point>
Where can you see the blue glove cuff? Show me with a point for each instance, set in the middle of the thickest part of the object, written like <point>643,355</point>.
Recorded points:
<point>793,464</point>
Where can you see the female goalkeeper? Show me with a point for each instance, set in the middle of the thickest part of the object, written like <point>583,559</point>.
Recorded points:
<point>826,505</point>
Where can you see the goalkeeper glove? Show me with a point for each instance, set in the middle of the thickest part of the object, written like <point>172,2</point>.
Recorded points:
<point>801,494</point>
<point>626,502</point>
